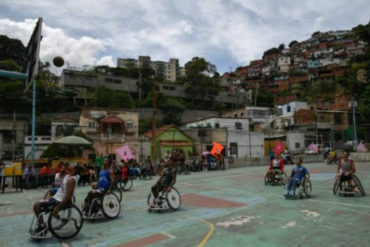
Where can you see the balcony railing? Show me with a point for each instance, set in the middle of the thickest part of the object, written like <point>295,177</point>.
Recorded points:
<point>112,137</point>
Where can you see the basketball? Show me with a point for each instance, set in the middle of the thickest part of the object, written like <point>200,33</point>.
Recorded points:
<point>58,61</point>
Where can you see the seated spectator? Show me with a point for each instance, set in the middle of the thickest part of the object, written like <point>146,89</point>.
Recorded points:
<point>29,177</point>
<point>45,175</point>
<point>85,175</point>
<point>92,173</point>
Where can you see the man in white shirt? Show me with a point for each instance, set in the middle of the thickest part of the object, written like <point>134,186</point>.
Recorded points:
<point>62,197</point>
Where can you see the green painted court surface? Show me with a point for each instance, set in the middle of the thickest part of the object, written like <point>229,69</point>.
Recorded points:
<point>222,208</point>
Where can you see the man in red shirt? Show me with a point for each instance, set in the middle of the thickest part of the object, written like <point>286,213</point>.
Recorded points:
<point>276,166</point>
<point>45,175</point>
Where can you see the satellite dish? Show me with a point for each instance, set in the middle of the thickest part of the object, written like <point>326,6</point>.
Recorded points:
<point>58,61</point>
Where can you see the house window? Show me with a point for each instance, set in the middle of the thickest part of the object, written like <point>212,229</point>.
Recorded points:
<point>288,108</point>
<point>217,125</point>
<point>129,124</point>
<point>91,125</point>
<point>297,145</point>
<point>238,126</point>
<point>202,132</point>
<point>234,148</point>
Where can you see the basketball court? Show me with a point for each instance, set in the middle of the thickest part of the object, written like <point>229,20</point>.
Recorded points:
<point>219,208</point>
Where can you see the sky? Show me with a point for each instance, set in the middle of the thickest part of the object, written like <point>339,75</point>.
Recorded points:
<point>227,33</point>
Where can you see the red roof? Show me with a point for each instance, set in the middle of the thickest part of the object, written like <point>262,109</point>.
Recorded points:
<point>175,143</point>
<point>112,119</point>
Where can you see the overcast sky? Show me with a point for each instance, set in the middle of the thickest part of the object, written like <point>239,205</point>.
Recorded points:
<point>227,33</point>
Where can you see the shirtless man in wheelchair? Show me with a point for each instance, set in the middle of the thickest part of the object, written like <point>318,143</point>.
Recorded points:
<point>101,200</point>
<point>64,218</point>
<point>299,179</point>
<point>163,195</point>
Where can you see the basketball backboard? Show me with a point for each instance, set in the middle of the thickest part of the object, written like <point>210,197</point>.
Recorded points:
<point>32,55</point>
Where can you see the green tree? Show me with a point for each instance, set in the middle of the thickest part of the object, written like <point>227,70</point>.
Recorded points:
<point>364,105</point>
<point>12,49</point>
<point>105,97</point>
<point>202,79</point>
<point>10,65</point>
<point>362,32</point>
<point>292,43</point>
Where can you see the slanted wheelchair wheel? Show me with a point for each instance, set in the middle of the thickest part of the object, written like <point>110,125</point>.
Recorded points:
<point>358,184</point>
<point>111,206</point>
<point>118,192</point>
<point>307,188</point>
<point>266,180</point>
<point>126,186</point>
<point>68,223</point>
<point>336,187</point>
<point>150,200</point>
<point>173,199</point>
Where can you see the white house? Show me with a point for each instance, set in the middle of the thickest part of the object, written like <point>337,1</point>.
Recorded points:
<point>41,144</point>
<point>241,142</point>
<point>288,110</point>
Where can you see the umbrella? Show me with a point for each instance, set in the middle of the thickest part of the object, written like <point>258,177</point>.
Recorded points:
<point>125,153</point>
<point>73,140</point>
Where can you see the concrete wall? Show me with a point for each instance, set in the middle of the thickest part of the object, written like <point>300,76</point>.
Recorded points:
<point>248,143</point>
<point>294,140</point>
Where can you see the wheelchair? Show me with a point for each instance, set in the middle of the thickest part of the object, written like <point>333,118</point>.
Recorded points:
<point>107,205</point>
<point>165,201</point>
<point>349,187</point>
<point>278,178</point>
<point>125,184</point>
<point>145,175</point>
<point>66,225</point>
<point>304,188</point>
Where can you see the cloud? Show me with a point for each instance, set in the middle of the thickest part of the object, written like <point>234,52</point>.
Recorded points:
<point>56,42</point>
<point>225,32</point>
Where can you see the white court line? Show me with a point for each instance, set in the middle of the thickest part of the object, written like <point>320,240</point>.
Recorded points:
<point>169,235</point>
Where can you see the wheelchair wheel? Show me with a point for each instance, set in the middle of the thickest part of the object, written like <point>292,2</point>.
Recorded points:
<point>173,199</point>
<point>267,180</point>
<point>307,188</point>
<point>336,187</point>
<point>118,193</point>
<point>150,200</point>
<point>358,185</point>
<point>68,223</point>
<point>126,186</point>
<point>111,206</point>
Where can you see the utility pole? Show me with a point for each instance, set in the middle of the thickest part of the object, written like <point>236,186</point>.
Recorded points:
<point>140,113</point>
<point>14,136</point>
<point>154,125</point>
<point>354,122</point>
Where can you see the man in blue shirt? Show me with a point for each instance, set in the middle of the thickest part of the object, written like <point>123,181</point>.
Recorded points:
<point>298,173</point>
<point>105,183</point>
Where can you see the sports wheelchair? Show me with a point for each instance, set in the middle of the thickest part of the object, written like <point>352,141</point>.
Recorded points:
<point>278,178</point>
<point>104,205</point>
<point>304,188</point>
<point>166,200</point>
<point>352,186</point>
<point>65,225</point>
